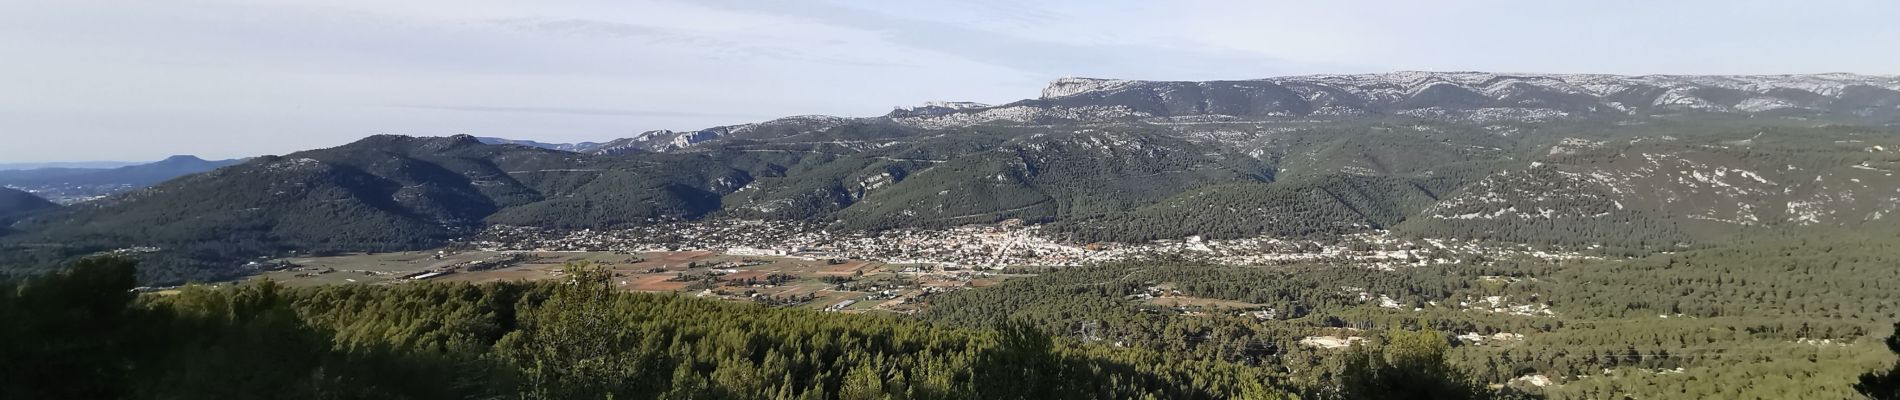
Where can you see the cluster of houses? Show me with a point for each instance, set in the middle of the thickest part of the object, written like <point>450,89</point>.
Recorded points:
<point>975,246</point>
<point>988,246</point>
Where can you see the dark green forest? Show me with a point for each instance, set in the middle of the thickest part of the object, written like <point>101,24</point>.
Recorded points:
<point>82,333</point>
<point>1771,317</point>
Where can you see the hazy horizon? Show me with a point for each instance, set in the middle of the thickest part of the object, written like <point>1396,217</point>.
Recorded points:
<point>106,80</point>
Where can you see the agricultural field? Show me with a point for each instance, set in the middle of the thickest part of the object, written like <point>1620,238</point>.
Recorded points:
<point>835,285</point>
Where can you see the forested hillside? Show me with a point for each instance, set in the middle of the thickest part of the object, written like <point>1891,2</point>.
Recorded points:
<point>382,193</point>
<point>552,341</point>
<point>1097,160</point>
<point>16,204</point>
<point>1776,317</point>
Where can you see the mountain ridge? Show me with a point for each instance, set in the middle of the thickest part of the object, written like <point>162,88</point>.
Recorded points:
<point>1627,185</point>
<point>1461,95</point>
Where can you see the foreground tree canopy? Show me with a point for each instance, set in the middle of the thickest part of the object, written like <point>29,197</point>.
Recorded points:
<point>82,333</point>
<point>1739,326</point>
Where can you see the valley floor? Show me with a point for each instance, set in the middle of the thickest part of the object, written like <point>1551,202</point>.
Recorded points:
<point>1006,244</point>
<point>825,284</point>
<point>1772,318</point>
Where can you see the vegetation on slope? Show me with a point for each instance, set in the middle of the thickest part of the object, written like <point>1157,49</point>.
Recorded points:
<point>83,334</point>
<point>1779,317</point>
<point>1622,189</point>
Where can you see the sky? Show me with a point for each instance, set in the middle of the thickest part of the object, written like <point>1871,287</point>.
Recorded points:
<point>141,80</point>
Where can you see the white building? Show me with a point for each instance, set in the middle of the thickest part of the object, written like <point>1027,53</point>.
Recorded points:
<point>752,251</point>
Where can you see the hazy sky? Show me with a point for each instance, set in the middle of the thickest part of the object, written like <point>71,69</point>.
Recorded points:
<point>139,80</point>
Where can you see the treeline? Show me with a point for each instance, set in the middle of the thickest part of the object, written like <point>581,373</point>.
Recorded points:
<point>1839,276</point>
<point>83,334</point>
<point>1280,308</point>
<point>1618,234</point>
<point>1772,317</point>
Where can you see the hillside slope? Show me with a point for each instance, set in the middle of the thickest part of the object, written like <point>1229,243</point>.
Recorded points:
<point>15,204</point>
<point>1582,161</point>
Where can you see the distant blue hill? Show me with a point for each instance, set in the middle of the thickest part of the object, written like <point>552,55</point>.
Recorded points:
<point>70,185</point>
